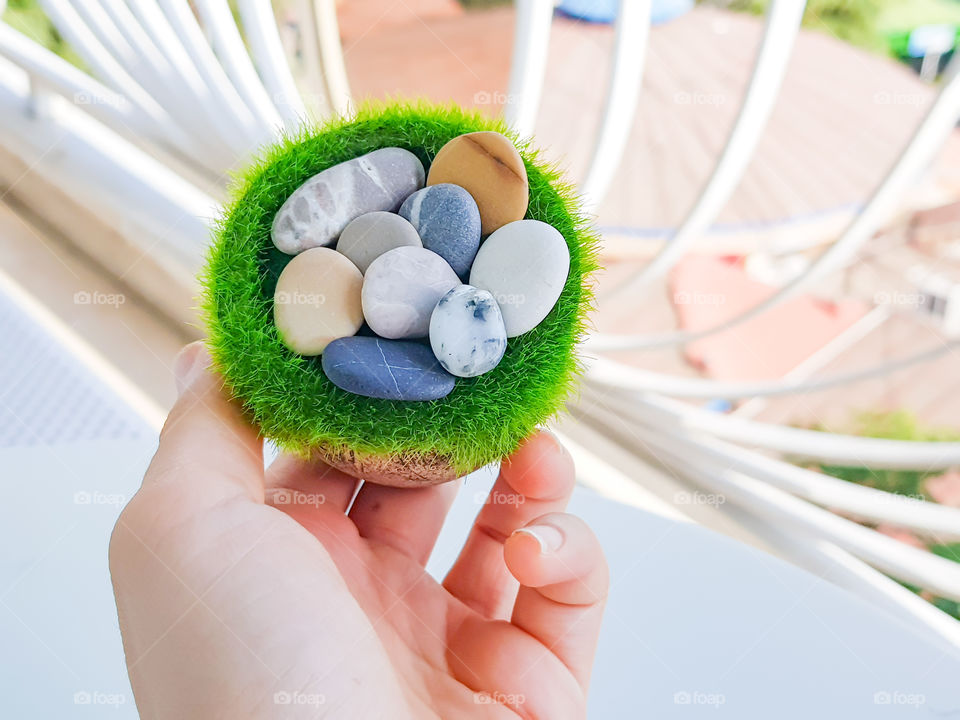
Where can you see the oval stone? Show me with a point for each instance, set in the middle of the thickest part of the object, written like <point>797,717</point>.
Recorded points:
<point>386,369</point>
<point>448,222</point>
<point>401,289</point>
<point>370,236</point>
<point>317,212</point>
<point>488,166</point>
<point>524,265</point>
<point>317,300</point>
<point>467,332</point>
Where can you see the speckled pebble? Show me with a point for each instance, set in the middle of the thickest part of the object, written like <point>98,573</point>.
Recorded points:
<point>524,265</point>
<point>317,300</point>
<point>370,236</point>
<point>488,166</point>
<point>467,333</point>
<point>448,222</point>
<point>386,369</point>
<point>317,212</point>
<point>401,289</point>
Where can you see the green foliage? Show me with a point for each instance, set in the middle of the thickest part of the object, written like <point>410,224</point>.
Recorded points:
<point>28,18</point>
<point>288,395</point>
<point>855,21</point>
<point>896,425</point>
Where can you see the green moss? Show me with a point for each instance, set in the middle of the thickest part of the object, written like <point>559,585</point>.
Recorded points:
<point>484,418</point>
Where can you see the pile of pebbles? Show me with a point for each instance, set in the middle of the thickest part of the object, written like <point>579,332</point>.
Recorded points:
<point>383,261</point>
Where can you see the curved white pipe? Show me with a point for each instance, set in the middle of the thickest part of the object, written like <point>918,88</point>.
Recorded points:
<point>181,91</point>
<point>219,22</point>
<point>267,50</point>
<point>531,44</point>
<point>250,131</point>
<point>839,567</point>
<point>902,561</point>
<point>230,134</point>
<point>76,86</point>
<point>331,55</point>
<point>136,60</point>
<point>928,137</point>
<point>783,23</point>
<point>931,520</point>
<point>796,442</point>
<point>609,373</point>
<point>72,27</point>
<point>623,92</point>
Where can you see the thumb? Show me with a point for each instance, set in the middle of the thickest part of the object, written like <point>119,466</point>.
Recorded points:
<point>206,445</point>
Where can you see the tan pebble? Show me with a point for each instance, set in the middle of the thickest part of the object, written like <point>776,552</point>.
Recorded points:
<point>489,167</point>
<point>317,300</point>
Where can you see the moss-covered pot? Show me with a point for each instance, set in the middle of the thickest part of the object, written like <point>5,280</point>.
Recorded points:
<point>384,441</point>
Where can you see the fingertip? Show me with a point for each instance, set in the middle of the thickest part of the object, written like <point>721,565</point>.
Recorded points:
<point>190,362</point>
<point>541,468</point>
<point>555,550</point>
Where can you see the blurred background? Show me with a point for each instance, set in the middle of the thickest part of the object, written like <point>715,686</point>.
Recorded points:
<point>777,186</point>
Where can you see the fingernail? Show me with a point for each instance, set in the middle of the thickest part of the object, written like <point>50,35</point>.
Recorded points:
<point>188,365</point>
<point>556,441</point>
<point>549,537</point>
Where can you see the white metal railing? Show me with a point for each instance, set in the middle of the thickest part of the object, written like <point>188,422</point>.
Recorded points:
<point>175,100</point>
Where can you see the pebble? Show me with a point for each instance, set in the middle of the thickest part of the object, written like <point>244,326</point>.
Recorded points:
<point>488,166</point>
<point>467,332</point>
<point>371,235</point>
<point>317,300</point>
<point>401,289</point>
<point>448,221</point>
<point>524,265</point>
<point>386,369</point>
<point>317,212</point>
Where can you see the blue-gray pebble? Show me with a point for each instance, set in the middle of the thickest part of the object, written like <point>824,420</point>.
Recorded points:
<point>386,369</point>
<point>448,221</point>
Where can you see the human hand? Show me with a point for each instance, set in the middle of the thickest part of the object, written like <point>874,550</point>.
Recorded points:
<point>244,594</point>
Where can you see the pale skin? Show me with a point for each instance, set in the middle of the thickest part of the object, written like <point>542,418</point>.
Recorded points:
<point>251,594</point>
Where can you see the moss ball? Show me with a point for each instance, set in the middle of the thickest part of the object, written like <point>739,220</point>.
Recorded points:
<point>289,397</point>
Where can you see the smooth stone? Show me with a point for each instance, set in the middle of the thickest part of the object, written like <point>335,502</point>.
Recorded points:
<point>370,236</point>
<point>386,369</point>
<point>488,166</point>
<point>467,332</point>
<point>448,222</point>
<point>317,212</point>
<point>524,265</point>
<point>317,300</point>
<point>401,289</point>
